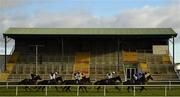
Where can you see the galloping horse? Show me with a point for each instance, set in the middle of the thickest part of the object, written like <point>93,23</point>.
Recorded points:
<point>111,81</point>
<point>29,82</point>
<point>49,82</point>
<point>142,81</point>
<point>83,81</point>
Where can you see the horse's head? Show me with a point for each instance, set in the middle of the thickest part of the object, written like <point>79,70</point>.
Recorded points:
<point>59,79</point>
<point>86,79</point>
<point>37,77</point>
<point>148,77</point>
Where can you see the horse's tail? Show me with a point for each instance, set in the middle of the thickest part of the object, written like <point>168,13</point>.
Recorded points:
<point>19,83</point>
<point>96,83</point>
<point>63,82</point>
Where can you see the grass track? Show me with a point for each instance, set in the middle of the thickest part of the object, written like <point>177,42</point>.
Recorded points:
<point>151,91</point>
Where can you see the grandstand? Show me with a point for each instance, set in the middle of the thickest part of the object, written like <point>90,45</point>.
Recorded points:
<point>93,51</point>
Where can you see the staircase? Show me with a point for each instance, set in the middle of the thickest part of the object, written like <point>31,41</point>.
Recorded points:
<point>10,65</point>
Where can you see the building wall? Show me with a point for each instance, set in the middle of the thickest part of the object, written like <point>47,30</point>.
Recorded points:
<point>96,46</point>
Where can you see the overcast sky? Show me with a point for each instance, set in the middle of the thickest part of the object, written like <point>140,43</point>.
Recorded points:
<point>90,13</point>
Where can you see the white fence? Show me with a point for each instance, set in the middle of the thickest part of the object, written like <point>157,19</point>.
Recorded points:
<point>159,90</point>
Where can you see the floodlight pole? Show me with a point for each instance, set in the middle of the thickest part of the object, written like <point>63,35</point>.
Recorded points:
<point>37,47</point>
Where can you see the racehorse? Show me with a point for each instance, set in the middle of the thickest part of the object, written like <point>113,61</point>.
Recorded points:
<point>83,81</point>
<point>142,81</point>
<point>29,82</point>
<point>55,81</point>
<point>111,81</point>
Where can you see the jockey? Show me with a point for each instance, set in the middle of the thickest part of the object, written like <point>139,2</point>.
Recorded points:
<point>138,75</point>
<point>77,77</point>
<point>110,75</point>
<point>147,74</point>
<point>51,75</point>
<point>113,74</point>
<point>55,75</point>
<point>32,76</point>
<point>81,76</point>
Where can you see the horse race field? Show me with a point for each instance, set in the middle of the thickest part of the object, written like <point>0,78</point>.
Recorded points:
<point>109,91</point>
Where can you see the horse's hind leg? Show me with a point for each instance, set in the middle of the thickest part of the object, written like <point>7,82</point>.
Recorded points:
<point>26,88</point>
<point>98,89</point>
<point>67,88</point>
<point>63,88</point>
<point>116,87</point>
<point>38,88</point>
<point>56,88</point>
<point>43,88</point>
<point>29,88</point>
<point>142,88</point>
<point>128,88</point>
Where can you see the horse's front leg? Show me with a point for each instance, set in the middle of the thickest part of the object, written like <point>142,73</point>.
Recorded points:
<point>117,88</point>
<point>128,88</point>
<point>81,88</point>
<point>68,88</point>
<point>85,88</point>
<point>64,88</point>
<point>142,88</point>
<point>39,88</point>
<point>25,88</point>
<point>98,88</point>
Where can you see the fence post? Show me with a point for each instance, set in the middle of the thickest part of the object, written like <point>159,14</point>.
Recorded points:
<point>16,90</point>
<point>134,90</point>
<point>78,90</point>
<point>46,91</point>
<point>104,90</point>
<point>6,85</point>
<point>165,91</point>
<point>169,85</point>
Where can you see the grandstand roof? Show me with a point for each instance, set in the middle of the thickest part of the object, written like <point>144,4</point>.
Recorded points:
<point>90,31</point>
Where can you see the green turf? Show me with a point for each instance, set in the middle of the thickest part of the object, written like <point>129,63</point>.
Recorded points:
<point>111,91</point>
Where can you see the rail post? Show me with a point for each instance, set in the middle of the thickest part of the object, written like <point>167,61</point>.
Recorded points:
<point>169,85</point>
<point>7,85</point>
<point>16,90</point>
<point>134,92</point>
<point>78,90</point>
<point>104,90</point>
<point>165,91</point>
<point>46,91</point>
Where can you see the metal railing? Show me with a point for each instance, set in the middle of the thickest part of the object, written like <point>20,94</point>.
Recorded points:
<point>93,76</point>
<point>164,90</point>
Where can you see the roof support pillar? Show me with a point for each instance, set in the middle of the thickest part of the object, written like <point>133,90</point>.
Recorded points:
<point>173,51</point>
<point>62,49</point>
<point>5,53</point>
<point>118,53</point>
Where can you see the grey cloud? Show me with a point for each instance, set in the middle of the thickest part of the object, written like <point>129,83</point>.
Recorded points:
<point>148,16</point>
<point>10,3</point>
<point>17,3</point>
